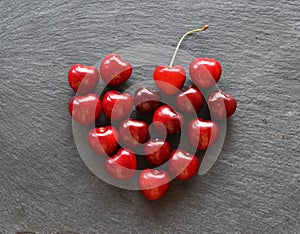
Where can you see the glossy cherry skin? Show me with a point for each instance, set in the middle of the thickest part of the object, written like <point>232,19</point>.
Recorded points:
<point>116,105</point>
<point>123,165</point>
<point>190,101</point>
<point>83,79</point>
<point>183,165</point>
<point>221,105</point>
<point>166,118</point>
<point>157,151</point>
<point>154,184</point>
<point>169,79</point>
<point>205,72</point>
<point>114,70</point>
<point>85,109</point>
<point>203,133</point>
<point>146,100</point>
<point>103,140</point>
<point>133,132</point>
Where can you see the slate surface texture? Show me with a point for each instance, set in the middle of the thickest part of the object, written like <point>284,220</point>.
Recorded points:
<point>254,186</point>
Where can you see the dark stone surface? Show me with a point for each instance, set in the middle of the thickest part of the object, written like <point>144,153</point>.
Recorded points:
<point>253,187</point>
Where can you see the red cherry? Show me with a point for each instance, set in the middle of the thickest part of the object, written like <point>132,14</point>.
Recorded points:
<point>85,109</point>
<point>123,165</point>
<point>157,151</point>
<point>154,184</point>
<point>116,105</point>
<point>203,133</point>
<point>190,101</point>
<point>183,165</point>
<point>146,100</point>
<point>114,70</point>
<point>169,79</point>
<point>205,72</point>
<point>103,140</point>
<point>133,132</point>
<point>167,118</point>
<point>83,79</point>
<point>221,105</point>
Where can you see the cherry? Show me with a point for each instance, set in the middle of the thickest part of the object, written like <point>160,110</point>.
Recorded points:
<point>190,101</point>
<point>123,165</point>
<point>203,133</point>
<point>83,79</point>
<point>157,151</point>
<point>154,184</point>
<point>133,132</point>
<point>103,140</point>
<point>221,105</point>
<point>146,100</point>
<point>165,117</point>
<point>116,105</point>
<point>114,70</point>
<point>183,165</point>
<point>205,72</point>
<point>85,109</point>
<point>170,79</point>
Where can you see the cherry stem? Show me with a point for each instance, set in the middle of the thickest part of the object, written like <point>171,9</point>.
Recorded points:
<point>182,38</point>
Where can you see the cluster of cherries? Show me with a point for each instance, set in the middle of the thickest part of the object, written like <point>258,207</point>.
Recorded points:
<point>86,107</point>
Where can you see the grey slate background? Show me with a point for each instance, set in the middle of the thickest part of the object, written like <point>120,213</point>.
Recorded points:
<point>253,187</point>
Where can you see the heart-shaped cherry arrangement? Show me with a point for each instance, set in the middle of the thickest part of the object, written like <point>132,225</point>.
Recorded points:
<point>123,144</point>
